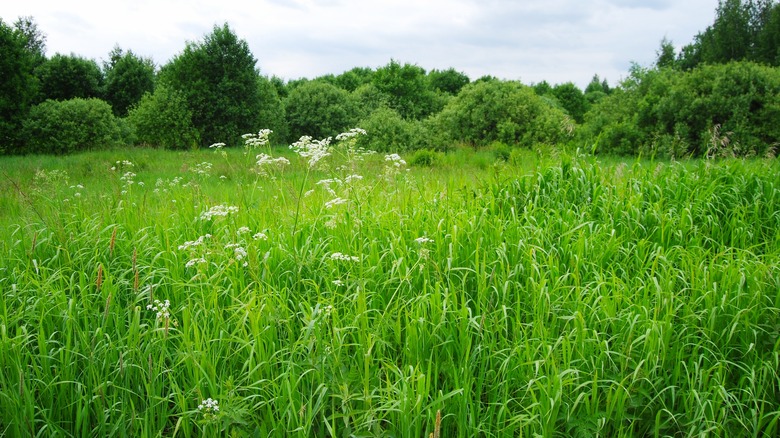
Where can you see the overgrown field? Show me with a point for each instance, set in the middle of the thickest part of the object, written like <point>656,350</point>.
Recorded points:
<point>151,293</point>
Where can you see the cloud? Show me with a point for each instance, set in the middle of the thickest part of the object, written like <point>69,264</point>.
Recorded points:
<point>556,40</point>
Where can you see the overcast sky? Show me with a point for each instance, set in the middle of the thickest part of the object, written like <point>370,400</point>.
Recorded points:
<point>529,40</point>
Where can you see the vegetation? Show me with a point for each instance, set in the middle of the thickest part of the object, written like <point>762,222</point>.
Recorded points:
<point>168,269</point>
<point>332,293</point>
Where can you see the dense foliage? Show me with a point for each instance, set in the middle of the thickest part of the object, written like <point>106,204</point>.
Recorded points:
<point>219,79</point>
<point>319,109</point>
<point>64,77</point>
<point>163,119</point>
<point>153,293</point>
<point>61,127</point>
<point>127,78</point>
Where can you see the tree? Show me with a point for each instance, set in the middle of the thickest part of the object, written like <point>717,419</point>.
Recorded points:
<point>448,81</point>
<point>271,114</point>
<point>17,87</point>
<point>407,89</point>
<point>65,77</point>
<point>163,119</point>
<point>34,39</point>
<point>319,109</point>
<point>128,78</point>
<point>572,100</point>
<point>664,57</point>
<point>220,82</point>
<point>350,80</point>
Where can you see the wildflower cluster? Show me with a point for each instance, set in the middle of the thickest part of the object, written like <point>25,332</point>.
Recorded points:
<point>209,408</point>
<point>313,150</point>
<point>122,165</point>
<point>395,160</point>
<point>161,308</point>
<point>221,210</point>
<point>163,185</point>
<point>193,243</point>
<point>265,161</point>
<point>343,257</point>
<point>239,252</point>
<point>254,141</point>
<point>202,169</point>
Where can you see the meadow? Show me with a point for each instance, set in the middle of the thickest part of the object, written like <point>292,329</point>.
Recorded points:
<point>327,291</point>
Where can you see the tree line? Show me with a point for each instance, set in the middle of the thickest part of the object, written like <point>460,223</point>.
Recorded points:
<point>717,96</point>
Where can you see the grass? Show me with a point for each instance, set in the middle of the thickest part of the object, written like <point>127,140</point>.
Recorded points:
<point>551,295</point>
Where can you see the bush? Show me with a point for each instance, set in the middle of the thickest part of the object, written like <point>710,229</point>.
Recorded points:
<point>501,151</point>
<point>506,111</point>
<point>319,109</point>
<point>61,127</point>
<point>387,131</point>
<point>162,119</point>
<point>424,158</point>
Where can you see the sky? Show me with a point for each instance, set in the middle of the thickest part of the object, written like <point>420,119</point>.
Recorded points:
<point>554,40</point>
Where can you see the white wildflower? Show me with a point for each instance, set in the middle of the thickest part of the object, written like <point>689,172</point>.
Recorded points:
<point>354,132</point>
<point>161,309</point>
<point>260,236</point>
<point>243,230</point>
<point>395,160</point>
<point>343,257</point>
<point>218,211</point>
<point>334,202</point>
<point>194,262</point>
<point>423,240</point>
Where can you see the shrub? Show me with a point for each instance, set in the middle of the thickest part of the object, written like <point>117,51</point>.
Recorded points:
<point>388,132</point>
<point>501,151</point>
<point>162,119</point>
<point>61,127</point>
<point>506,111</point>
<point>319,109</point>
<point>424,158</point>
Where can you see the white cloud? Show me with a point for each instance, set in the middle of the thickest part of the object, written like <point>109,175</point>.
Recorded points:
<point>556,40</point>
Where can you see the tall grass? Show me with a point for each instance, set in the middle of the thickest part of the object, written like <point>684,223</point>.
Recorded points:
<point>547,296</point>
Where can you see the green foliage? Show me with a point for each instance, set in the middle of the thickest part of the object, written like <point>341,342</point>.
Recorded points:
<point>664,57</point>
<point>368,99</point>
<point>17,86</point>
<point>64,77</point>
<point>163,119</point>
<point>34,39</point>
<point>743,30</point>
<point>424,158</point>
<point>506,111</point>
<point>501,151</point>
<point>569,297</point>
<point>220,82</point>
<point>128,78</point>
<point>387,131</point>
<point>407,90</point>
<point>319,109</point>
<point>448,81</point>
<point>675,113</point>
<point>271,114</point>
<point>572,100</point>
<point>61,127</point>
<point>350,80</point>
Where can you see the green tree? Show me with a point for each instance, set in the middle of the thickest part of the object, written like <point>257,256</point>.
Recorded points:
<point>571,98</point>
<point>271,114</point>
<point>128,78</point>
<point>350,80</point>
<point>64,77</point>
<point>407,90</point>
<point>665,57</point>
<point>220,82</point>
<point>17,87</point>
<point>448,81</point>
<point>319,109</point>
<point>163,119</point>
<point>34,39</point>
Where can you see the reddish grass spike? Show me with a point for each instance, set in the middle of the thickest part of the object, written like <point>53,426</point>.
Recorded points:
<point>112,243</point>
<point>99,281</point>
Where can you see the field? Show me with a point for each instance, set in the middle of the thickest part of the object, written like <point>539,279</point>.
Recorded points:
<point>332,292</point>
